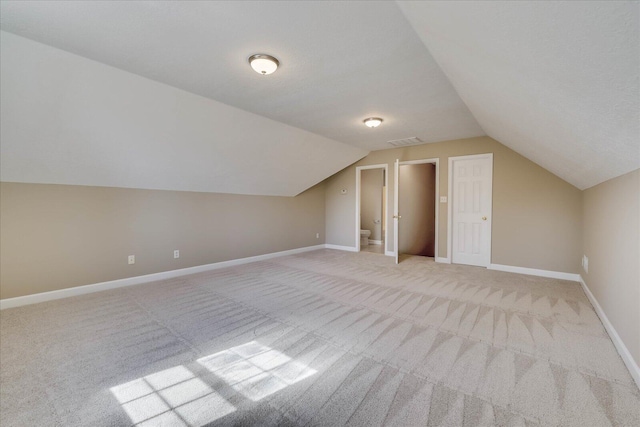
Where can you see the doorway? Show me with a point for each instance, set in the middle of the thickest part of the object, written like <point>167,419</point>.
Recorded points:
<point>371,208</point>
<point>470,209</point>
<point>416,208</point>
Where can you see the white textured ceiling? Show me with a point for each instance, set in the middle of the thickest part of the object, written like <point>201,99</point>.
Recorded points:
<point>69,120</point>
<point>558,82</point>
<point>340,61</point>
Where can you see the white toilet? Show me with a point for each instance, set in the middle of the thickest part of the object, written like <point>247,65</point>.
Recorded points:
<point>364,237</point>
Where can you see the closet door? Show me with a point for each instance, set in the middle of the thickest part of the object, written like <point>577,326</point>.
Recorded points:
<point>471,200</point>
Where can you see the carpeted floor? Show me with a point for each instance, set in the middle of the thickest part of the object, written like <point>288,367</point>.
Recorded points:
<point>321,338</point>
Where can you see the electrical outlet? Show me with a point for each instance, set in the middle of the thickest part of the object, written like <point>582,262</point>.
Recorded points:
<point>317,235</point>
<point>176,253</point>
<point>443,199</point>
<point>132,259</point>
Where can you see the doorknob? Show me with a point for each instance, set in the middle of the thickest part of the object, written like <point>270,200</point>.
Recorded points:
<point>484,218</point>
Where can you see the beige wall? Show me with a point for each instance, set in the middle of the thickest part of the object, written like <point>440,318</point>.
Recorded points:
<point>417,207</point>
<point>612,244</point>
<point>537,217</point>
<point>60,236</point>
<point>371,183</point>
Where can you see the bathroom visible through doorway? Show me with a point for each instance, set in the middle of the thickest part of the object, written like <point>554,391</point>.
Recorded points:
<point>371,208</point>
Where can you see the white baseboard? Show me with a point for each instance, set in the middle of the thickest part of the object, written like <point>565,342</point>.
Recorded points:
<point>375,242</point>
<point>130,281</point>
<point>390,253</point>
<point>535,272</point>
<point>341,248</point>
<point>624,352</point>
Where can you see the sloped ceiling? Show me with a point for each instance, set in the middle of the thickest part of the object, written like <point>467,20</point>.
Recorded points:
<point>555,81</point>
<point>69,120</point>
<point>558,82</point>
<point>340,61</point>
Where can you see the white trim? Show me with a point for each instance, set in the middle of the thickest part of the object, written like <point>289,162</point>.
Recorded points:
<point>390,253</point>
<point>385,207</point>
<point>130,281</point>
<point>449,210</point>
<point>396,215</point>
<point>624,352</point>
<point>375,242</point>
<point>535,272</point>
<point>341,248</point>
<point>379,166</point>
<point>449,202</point>
<point>419,162</point>
<point>442,260</point>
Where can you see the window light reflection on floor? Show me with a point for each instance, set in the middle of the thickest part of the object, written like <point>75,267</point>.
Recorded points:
<point>173,397</point>
<point>177,397</point>
<point>255,370</point>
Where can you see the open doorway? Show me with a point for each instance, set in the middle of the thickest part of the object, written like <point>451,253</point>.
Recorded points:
<point>371,208</point>
<point>416,219</point>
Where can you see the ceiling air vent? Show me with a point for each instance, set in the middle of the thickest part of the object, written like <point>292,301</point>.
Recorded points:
<point>406,141</point>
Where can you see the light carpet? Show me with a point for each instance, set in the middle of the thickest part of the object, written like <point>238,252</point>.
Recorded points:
<point>320,338</point>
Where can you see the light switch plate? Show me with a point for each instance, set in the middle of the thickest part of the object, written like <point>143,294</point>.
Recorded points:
<point>443,199</point>
<point>585,263</point>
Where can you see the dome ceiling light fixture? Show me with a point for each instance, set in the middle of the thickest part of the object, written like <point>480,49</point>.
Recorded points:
<point>263,64</point>
<point>372,122</point>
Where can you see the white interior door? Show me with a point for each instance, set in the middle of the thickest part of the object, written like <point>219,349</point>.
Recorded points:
<point>396,215</point>
<point>471,200</point>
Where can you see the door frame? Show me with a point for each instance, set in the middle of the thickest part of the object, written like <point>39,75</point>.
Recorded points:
<point>359,169</point>
<point>450,203</point>
<point>397,216</point>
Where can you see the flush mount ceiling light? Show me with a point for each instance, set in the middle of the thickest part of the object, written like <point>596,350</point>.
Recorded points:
<point>372,122</point>
<point>263,64</point>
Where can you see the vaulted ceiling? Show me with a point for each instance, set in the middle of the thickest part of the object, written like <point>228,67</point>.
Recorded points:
<point>558,82</point>
<point>555,81</point>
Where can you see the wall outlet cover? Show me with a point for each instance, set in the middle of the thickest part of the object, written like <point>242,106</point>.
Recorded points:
<point>585,263</point>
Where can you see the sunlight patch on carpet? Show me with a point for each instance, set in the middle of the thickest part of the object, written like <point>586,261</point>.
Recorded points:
<point>255,370</point>
<point>174,396</point>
